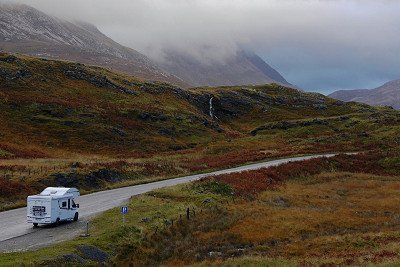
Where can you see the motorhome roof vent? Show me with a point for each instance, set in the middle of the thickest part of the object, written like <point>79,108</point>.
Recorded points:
<point>60,191</point>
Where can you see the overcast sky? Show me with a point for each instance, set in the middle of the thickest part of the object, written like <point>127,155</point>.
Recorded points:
<point>318,45</point>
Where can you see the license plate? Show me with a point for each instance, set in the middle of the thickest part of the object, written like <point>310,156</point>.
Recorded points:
<point>39,210</point>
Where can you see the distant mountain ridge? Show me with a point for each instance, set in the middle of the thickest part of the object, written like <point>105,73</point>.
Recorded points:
<point>241,68</point>
<point>26,30</point>
<point>385,95</point>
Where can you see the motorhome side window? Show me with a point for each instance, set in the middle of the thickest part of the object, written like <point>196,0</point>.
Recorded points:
<point>64,204</point>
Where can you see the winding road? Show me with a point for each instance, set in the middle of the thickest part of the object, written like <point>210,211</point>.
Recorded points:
<point>17,235</point>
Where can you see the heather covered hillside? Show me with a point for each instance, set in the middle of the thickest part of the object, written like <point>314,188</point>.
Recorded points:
<point>55,107</point>
<point>118,130</point>
<point>336,211</point>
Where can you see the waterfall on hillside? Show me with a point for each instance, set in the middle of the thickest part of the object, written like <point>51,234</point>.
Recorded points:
<point>211,108</point>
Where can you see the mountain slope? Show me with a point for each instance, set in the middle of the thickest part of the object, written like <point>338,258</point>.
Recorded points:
<point>26,30</point>
<point>261,65</point>
<point>50,107</point>
<point>349,95</point>
<point>385,95</point>
<point>238,69</point>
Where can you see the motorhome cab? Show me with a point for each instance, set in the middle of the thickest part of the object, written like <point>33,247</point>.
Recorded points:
<point>53,205</point>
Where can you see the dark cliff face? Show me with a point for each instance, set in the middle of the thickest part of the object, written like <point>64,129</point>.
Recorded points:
<point>385,95</point>
<point>265,68</point>
<point>240,68</point>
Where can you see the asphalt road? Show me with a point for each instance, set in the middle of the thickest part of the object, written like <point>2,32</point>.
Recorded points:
<point>16,234</point>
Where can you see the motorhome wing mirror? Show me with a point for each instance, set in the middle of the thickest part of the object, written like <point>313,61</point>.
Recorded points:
<point>77,206</point>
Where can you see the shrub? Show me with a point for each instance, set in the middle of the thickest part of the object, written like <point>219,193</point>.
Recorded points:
<point>250,183</point>
<point>215,187</point>
<point>184,241</point>
<point>9,188</point>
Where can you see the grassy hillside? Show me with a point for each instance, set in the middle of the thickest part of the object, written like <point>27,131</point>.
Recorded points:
<point>59,108</point>
<point>56,115</point>
<point>67,124</point>
<point>53,108</point>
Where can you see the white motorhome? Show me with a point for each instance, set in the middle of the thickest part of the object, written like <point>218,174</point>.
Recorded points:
<point>53,205</point>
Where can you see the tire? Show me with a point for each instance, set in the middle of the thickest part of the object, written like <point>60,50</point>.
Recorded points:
<point>35,224</point>
<point>76,217</point>
<point>57,221</point>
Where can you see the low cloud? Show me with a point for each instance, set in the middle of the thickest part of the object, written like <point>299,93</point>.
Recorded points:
<point>317,45</point>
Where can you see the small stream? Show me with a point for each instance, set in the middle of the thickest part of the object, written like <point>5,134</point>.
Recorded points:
<point>211,108</point>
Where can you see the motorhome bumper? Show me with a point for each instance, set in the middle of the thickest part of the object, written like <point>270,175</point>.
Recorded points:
<point>39,220</point>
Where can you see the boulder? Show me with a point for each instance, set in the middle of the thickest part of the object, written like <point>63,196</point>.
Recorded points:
<point>93,253</point>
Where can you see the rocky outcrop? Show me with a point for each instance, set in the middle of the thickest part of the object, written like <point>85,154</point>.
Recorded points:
<point>10,75</point>
<point>284,125</point>
<point>78,72</point>
<point>89,181</point>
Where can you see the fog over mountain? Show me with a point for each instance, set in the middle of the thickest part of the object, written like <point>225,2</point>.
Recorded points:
<point>317,45</point>
<point>26,30</point>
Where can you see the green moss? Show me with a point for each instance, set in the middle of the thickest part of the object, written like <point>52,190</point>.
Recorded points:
<point>214,187</point>
<point>4,153</point>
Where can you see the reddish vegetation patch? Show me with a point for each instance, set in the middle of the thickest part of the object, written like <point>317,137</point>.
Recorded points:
<point>116,165</point>
<point>13,168</point>
<point>384,255</point>
<point>252,182</point>
<point>12,188</point>
<point>47,99</point>
<point>234,158</point>
<point>384,239</point>
<point>21,152</point>
<point>147,168</point>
